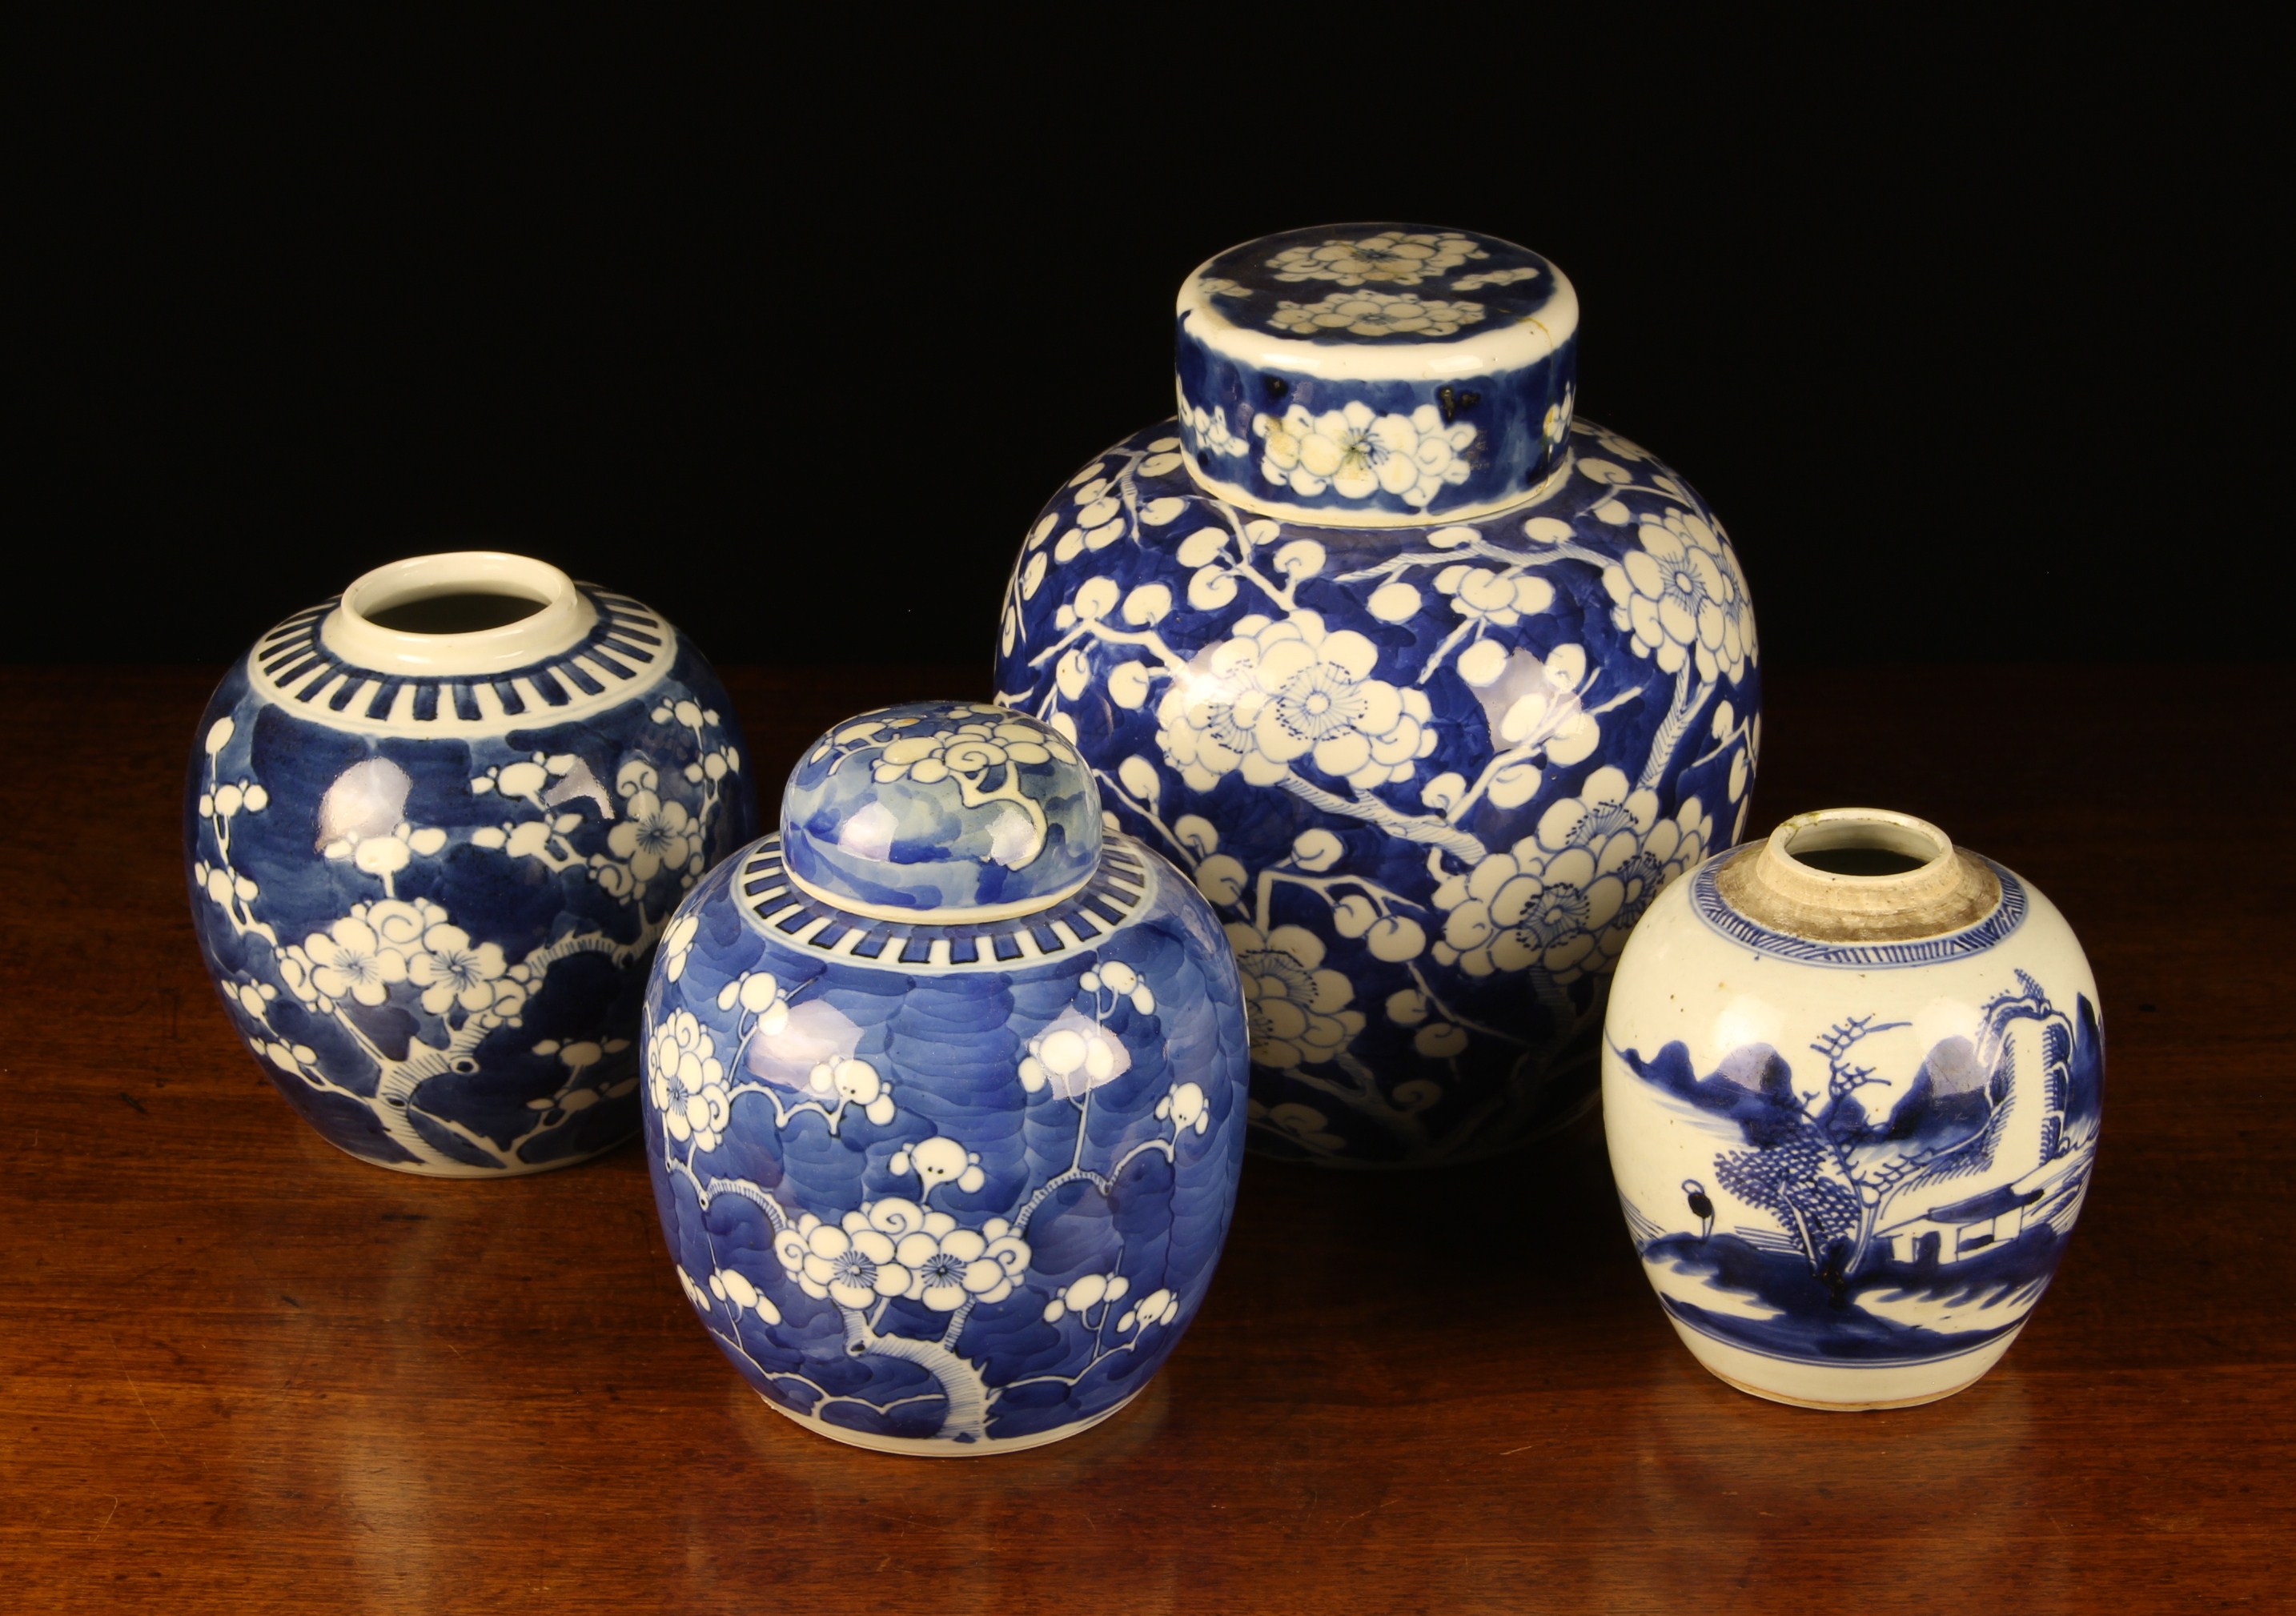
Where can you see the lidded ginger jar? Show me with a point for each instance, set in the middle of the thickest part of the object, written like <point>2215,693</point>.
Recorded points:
<point>946,1092</point>
<point>1430,685</point>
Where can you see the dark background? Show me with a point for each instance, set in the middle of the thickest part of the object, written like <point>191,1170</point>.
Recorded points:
<point>792,337</point>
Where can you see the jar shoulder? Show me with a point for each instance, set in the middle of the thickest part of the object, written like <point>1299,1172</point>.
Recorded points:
<point>627,654</point>
<point>1140,915</point>
<point>1141,487</point>
<point>1690,975</point>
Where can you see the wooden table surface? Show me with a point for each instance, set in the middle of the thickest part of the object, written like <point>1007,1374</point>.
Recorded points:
<point>239,1371</point>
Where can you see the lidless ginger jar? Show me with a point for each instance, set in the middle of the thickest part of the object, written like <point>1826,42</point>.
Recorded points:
<point>434,828</point>
<point>945,1093</point>
<point>1852,1083</point>
<point>1430,686</point>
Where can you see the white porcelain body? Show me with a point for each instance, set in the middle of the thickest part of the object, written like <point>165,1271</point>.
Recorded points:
<point>1851,1169</point>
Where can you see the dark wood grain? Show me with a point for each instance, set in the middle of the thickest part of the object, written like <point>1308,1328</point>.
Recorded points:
<point>239,1371</point>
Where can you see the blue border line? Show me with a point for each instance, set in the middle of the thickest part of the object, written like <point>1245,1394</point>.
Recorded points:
<point>1992,1336</point>
<point>1706,898</point>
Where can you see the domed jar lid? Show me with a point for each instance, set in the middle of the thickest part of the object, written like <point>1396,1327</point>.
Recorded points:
<point>941,811</point>
<point>1376,375</point>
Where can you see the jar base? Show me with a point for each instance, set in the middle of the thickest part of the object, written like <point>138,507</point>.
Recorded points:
<point>524,1170</point>
<point>934,1447</point>
<point>1842,1387</point>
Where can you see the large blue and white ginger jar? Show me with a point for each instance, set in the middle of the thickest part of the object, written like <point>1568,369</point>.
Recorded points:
<point>1852,1082</point>
<point>1430,686</point>
<point>433,830</point>
<point>947,1093</point>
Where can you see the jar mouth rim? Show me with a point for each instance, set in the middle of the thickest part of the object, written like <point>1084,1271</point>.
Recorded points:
<point>1921,886</point>
<point>560,617</point>
<point>1881,831</point>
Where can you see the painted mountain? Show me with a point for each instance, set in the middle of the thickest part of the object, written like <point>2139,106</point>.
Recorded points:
<point>1889,1201</point>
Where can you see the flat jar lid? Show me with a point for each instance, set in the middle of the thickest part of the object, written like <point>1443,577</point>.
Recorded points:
<point>1376,374</point>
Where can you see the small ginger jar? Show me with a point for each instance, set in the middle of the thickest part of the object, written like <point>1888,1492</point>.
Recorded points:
<point>1429,684</point>
<point>434,827</point>
<point>946,1090</point>
<point>1852,1082</point>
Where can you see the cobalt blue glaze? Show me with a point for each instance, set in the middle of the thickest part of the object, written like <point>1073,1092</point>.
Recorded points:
<point>1360,373</point>
<point>1430,771</point>
<point>946,1189</point>
<point>429,906</point>
<point>897,813</point>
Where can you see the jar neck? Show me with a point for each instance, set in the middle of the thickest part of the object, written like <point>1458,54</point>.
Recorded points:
<point>360,632</point>
<point>1859,876</point>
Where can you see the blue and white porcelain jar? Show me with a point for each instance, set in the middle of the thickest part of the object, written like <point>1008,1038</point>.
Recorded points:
<point>945,1093</point>
<point>1430,686</point>
<point>1852,1079</point>
<point>433,829</point>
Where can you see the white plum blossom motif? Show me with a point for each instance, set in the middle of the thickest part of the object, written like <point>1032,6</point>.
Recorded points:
<point>676,942</point>
<point>688,1081</point>
<point>1356,454</point>
<point>941,1159</point>
<point>654,835</point>
<point>350,961</point>
<point>1520,908</point>
<point>1608,804</point>
<point>1085,1292</point>
<point>851,1082</point>
<point>1682,598</point>
<point>1159,1306</point>
<point>1375,314</point>
<point>1298,1011</point>
<point>969,748</point>
<point>1284,691</point>
<point>453,971</point>
<point>1122,981</point>
<point>1186,1107</point>
<point>1494,277</point>
<point>1220,286</point>
<point>949,1265</point>
<point>1672,847</point>
<point>1393,257</point>
<point>1565,898</point>
<point>1495,600</point>
<point>361,956</point>
<point>1074,1055</point>
<point>851,1262</point>
<point>362,819</point>
<point>1207,424</point>
<point>732,1287</point>
<point>1557,424</point>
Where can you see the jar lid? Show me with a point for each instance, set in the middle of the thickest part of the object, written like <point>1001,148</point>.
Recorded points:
<point>1376,375</point>
<point>942,808</point>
